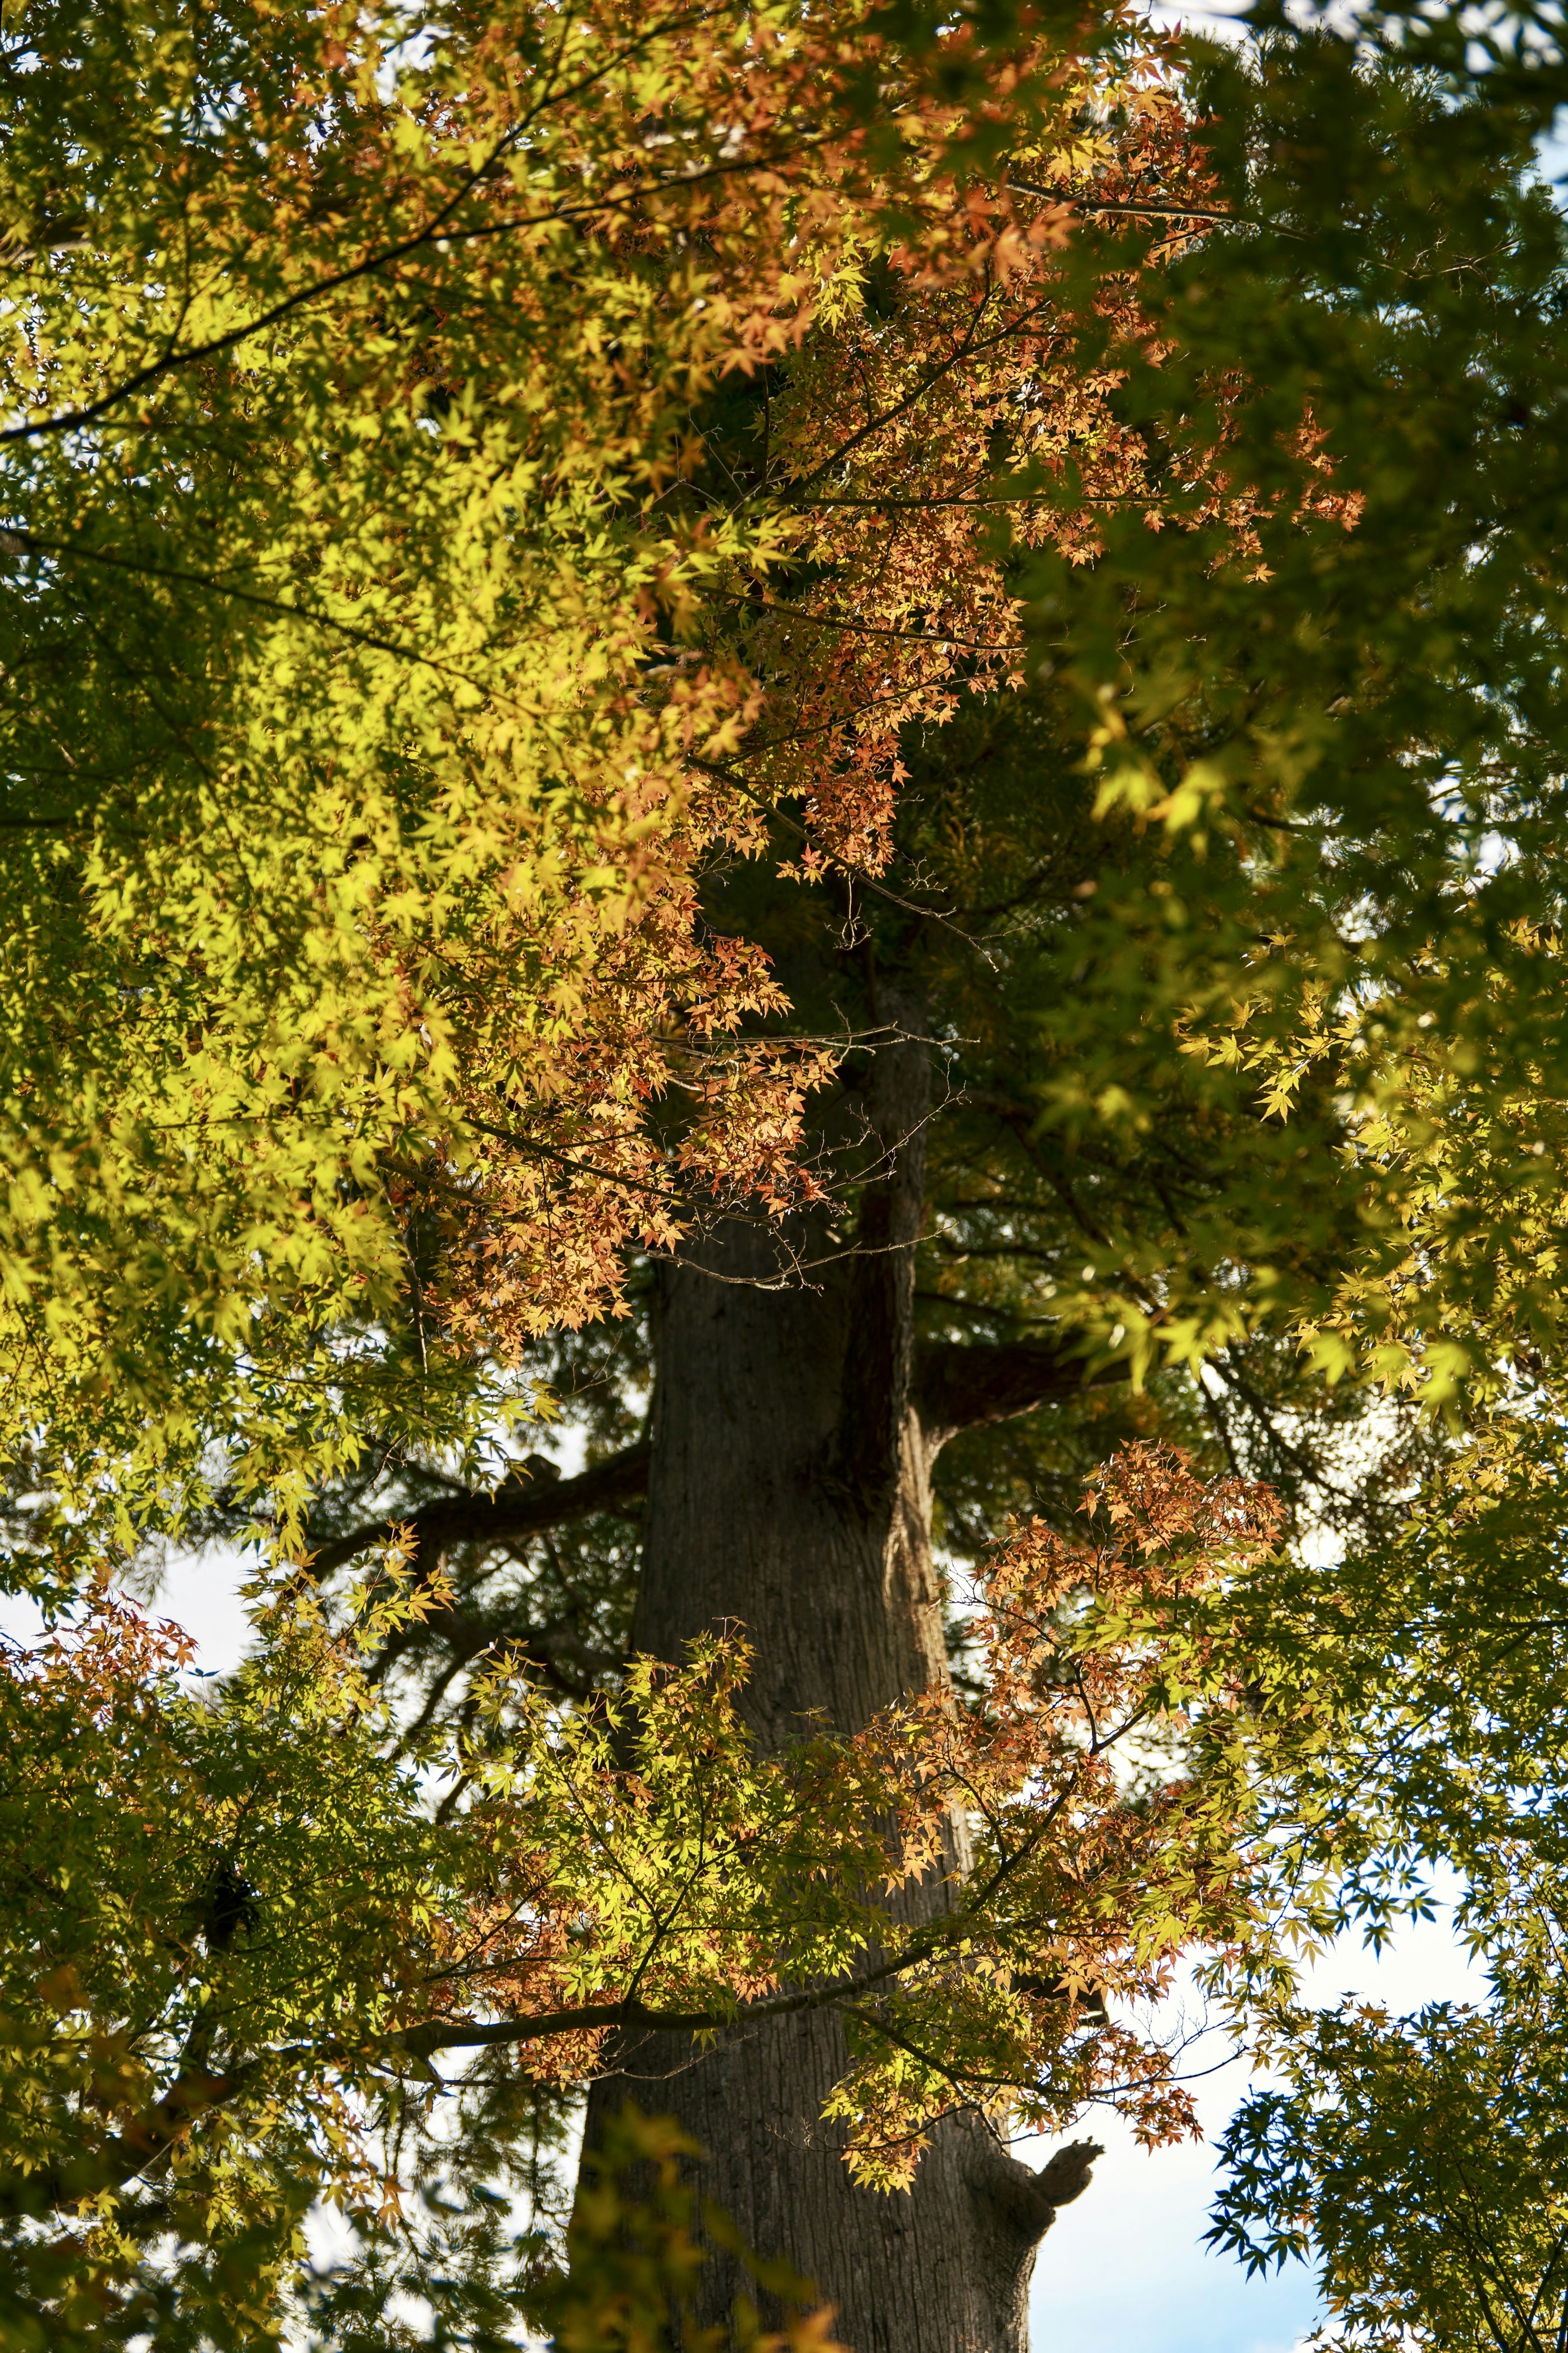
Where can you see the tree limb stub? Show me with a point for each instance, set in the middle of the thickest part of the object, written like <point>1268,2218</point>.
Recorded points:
<point>1031,2199</point>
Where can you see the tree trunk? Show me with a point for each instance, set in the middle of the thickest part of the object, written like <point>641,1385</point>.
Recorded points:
<point>788,1489</point>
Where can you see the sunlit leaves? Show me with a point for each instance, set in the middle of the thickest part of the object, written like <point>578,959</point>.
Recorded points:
<point>245,1966</point>
<point>1351,741</point>
<point>362,740</point>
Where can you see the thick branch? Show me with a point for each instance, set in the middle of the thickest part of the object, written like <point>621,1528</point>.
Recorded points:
<point>958,1385</point>
<point>514,1509</point>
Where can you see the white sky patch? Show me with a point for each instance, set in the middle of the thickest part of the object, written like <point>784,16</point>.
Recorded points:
<point>200,1591</point>
<point>1126,2267</point>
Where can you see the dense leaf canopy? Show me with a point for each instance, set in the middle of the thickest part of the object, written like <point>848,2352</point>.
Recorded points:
<point>260,1939</point>
<point>356,763</point>
<point>564,577</point>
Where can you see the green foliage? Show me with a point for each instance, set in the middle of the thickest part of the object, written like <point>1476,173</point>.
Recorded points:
<point>1331,681</point>
<point>1425,2160</point>
<point>238,1944</point>
<point>1405,1710</point>
<point>345,860</point>
<point>465,487</point>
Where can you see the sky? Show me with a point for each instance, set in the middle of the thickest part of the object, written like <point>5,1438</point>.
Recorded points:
<point>1124,2271</point>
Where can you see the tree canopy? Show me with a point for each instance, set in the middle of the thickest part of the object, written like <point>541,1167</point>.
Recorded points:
<point>354,363</point>
<point>568,583</point>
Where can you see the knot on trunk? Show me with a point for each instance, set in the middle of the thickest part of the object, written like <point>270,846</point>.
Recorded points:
<point>1028,2201</point>
<point>1066,2176</point>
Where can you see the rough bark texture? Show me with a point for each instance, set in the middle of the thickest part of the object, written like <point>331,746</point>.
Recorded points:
<point>788,1489</point>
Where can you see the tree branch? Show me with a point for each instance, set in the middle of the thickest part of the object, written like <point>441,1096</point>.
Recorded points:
<point>1025,2201</point>
<point>195,2094</point>
<point>958,1384</point>
<point>514,1509</point>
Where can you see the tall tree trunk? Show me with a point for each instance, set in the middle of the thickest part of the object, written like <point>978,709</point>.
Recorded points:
<point>788,1489</point>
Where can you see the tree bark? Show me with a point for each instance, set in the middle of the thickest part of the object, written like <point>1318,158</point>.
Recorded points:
<point>789,1489</point>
